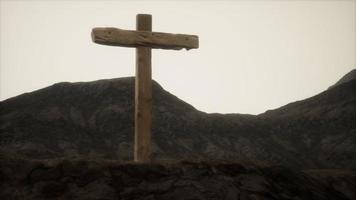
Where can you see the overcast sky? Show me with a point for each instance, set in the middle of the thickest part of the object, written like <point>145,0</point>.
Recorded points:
<point>253,55</point>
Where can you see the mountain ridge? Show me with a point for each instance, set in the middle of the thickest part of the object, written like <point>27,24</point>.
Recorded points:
<point>346,78</point>
<point>95,120</point>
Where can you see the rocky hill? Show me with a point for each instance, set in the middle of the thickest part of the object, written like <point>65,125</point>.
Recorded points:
<point>95,120</point>
<point>70,140</point>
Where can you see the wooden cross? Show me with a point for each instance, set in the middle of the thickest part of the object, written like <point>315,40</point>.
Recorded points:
<point>143,39</point>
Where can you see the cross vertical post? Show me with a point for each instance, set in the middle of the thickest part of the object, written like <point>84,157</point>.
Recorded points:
<point>143,95</point>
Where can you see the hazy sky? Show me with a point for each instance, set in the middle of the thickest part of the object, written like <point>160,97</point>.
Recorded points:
<point>253,55</point>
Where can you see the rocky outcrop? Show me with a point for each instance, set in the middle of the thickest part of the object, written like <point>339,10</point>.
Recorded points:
<point>60,142</point>
<point>95,120</point>
<point>100,179</point>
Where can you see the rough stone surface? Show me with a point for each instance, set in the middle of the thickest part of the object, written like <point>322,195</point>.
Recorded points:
<point>103,179</point>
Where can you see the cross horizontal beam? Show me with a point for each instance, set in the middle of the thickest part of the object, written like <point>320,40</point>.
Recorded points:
<point>127,38</point>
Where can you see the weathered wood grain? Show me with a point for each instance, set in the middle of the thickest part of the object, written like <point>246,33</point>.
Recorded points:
<point>143,38</point>
<point>143,95</point>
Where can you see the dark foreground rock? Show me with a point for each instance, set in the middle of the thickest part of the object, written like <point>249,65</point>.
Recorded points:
<point>83,179</point>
